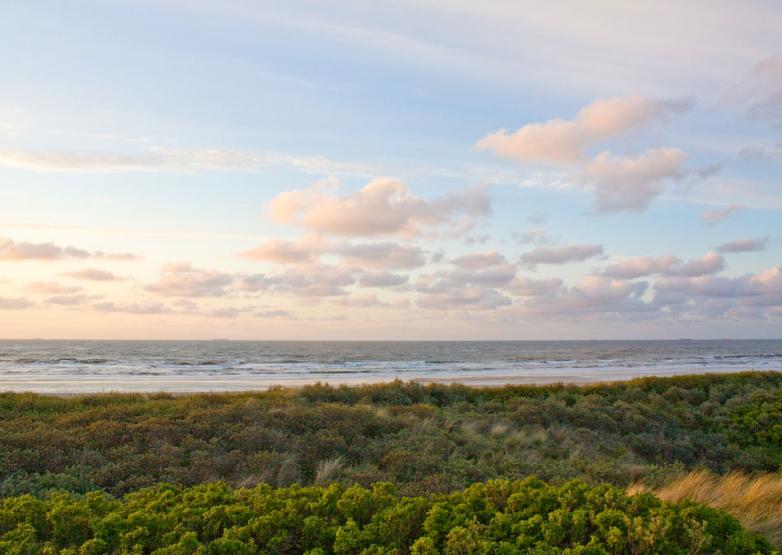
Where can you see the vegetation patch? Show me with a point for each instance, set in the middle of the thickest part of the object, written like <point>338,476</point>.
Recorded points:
<point>499,516</point>
<point>756,501</point>
<point>424,439</point>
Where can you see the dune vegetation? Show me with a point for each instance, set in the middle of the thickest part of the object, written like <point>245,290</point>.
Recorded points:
<point>499,516</point>
<point>101,455</point>
<point>755,500</point>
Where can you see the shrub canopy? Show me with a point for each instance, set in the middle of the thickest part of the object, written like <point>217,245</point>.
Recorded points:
<point>499,516</point>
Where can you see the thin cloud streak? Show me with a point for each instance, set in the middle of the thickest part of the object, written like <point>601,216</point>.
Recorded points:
<point>179,161</point>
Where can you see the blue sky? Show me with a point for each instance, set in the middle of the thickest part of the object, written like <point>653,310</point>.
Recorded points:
<point>240,151</point>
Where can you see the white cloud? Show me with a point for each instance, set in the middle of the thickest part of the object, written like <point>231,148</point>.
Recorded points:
<point>560,255</point>
<point>48,288</point>
<point>274,313</point>
<point>11,250</point>
<point>764,91</point>
<point>562,141</point>
<point>364,301</point>
<point>770,280</point>
<point>477,261</point>
<point>383,207</point>
<point>69,300</point>
<point>766,283</point>
<point>133,308</point>
<point>93,274</point>
<point>228,312</point>
<point>716,216</point>
<point>23,250</point>
<point>640,266</point>
<point>596,295</point>
<point>709,263</point>
<point>744,245</point>
<point>527,287</point>
<point>182,280</point>
<point>493,276</point>
<point>668,265</point>
<point>391,256</point>
<point>630,183</point>
<point>763,152</point>
<point>15,303</point>
<point>533,236</point>
<point>172,160</point>
<point>314,281</point>
<point>304,251</point>
<point>382,279</point>
<point>466,287</point>
<point>466,298</point>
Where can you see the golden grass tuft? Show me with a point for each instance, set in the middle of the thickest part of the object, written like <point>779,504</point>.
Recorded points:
<point>755,500</point>
<point>328,471</point>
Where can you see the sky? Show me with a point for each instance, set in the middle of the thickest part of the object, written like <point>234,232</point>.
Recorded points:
<point>401,170</point>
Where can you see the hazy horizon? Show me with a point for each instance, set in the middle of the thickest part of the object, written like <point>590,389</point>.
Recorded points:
<point>461,340</point>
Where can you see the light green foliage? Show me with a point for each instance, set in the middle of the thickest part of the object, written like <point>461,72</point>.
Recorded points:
<point>497,517</point>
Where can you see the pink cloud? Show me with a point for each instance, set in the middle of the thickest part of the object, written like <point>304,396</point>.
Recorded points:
<point>52,288</point>
<point>716,216</point>
<point>23,250</point>
<point>15,303</point>
<point>303,251</point>
<point>11,250</point>
<point>182,280</point>
<point>69,300</point>
<point>383,207</point>
<point>630,183</point>
<point>93,274</point>
<point>382,279</point>
<point>314,281</point>
<point>561,141</point>
<point>640,266</point>
<point>475,261</point>
<point>744,245</point>
<point>133,308</point>
<point>668,265</point>
<point>465,298</point>
<point>391,256</point>
<point>560,255</point>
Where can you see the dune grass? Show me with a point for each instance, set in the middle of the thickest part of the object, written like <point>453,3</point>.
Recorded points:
<point>423,438</point>
<point>755,500</point>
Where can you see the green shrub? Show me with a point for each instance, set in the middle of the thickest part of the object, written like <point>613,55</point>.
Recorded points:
<point>500,516</point>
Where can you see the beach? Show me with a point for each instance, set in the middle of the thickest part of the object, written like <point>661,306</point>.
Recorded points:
<point>76,367</point>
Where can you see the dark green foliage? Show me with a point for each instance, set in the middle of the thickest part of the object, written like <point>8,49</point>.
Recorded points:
<point>426,439</point>
<point>499,516</point>
<point>759,421</point>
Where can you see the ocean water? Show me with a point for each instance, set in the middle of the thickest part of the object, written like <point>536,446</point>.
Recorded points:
<point>181,366</point>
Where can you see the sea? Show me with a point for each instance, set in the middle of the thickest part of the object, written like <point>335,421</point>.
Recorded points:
<point>72,367</point>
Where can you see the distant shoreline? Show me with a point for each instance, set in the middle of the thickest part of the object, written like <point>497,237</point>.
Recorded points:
<point>152,387</point>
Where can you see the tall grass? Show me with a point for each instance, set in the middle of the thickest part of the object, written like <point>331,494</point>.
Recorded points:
<point>755,500</point>
<point>328,471</point>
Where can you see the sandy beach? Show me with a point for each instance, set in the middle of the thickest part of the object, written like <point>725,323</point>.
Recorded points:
<point>136,384</point>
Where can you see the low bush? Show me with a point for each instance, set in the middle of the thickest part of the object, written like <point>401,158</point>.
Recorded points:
<point>499,516</point>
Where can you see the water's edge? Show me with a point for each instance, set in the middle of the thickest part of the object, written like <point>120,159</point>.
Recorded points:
<point>63,367</point>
